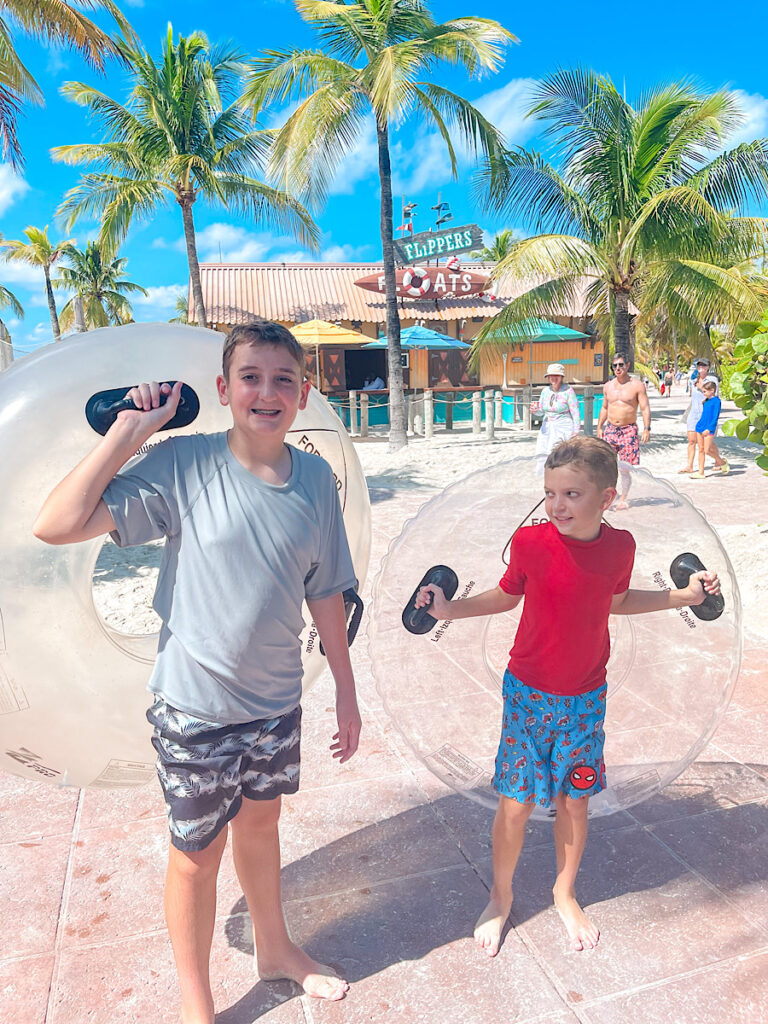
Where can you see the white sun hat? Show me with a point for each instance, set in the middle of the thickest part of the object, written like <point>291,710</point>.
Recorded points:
<point>555,369</point>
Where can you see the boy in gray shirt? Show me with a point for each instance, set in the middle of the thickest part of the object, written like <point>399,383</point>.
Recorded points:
<point>252,527</point>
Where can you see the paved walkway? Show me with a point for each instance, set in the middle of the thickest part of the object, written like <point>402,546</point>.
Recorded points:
<point>385,871</point>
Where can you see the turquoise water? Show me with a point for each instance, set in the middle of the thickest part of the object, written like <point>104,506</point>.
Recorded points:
<point>378,410</point>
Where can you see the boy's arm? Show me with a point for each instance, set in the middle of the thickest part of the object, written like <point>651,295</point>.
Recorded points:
<point>74,510</point>
<point>637,602</point>
<point>330,620</point>
<point>490,602</point>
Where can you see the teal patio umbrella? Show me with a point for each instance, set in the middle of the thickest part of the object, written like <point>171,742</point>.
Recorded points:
<point>421,337</point>
<point>532,330</point>
<point>536,329</point>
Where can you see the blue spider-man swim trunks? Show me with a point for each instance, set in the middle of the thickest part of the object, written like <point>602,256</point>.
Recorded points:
<point>549,744</point>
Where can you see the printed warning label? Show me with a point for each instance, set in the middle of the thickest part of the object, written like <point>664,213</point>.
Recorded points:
<point>633,789</point>
<point>33,762</point>
<point>12,697</point>
<point>450,762</point>
<point>327,444</point>
<point>124,773</point>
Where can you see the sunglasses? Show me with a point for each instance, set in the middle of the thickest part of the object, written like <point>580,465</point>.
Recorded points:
<point>614,365</point>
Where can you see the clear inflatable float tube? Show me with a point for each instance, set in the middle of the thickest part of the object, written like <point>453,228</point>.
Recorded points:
<point>670,676</point>
<point>73,689</point>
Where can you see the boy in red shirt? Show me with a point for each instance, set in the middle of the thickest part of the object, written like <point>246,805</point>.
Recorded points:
<point>551,747</point>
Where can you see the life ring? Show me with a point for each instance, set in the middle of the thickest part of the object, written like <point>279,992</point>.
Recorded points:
<point>72,689</point>
<point>453,264</point>
<point>411,275</point>
<point>670,674</point>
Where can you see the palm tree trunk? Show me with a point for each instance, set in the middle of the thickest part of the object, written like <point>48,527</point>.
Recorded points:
<point>51,304</point>
<point>185,202</point>
<point>621,329</point>
<point>398,435</point>
<point>6,347</point>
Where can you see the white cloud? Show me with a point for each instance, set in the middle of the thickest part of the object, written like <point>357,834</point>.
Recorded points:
<point>425,163</point>
<point>179,245</point>
<point>159,302</point>
<point>344,253</point>
<point>359,164</point>
<point>12,187</point>
<point>506,108</point>
<point>12,272</point>
<point>233,244</point>
<point>754,108</point>
<point>56,62</point>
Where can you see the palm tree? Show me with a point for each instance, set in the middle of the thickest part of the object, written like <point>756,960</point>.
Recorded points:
<point>374,52</point>
<point>96,277</point>
<point>8,300</point>
<point>175,139</point>
<point>39,251</point>
<point>51,21</point>
<point>180,309</point>
<point>499,248</point>
<point>647,217</point>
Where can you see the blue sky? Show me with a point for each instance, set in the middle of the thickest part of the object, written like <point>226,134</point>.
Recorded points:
<point>657,42</point>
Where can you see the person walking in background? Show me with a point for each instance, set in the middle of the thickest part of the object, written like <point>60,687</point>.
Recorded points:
<point>702,367</point>
<point>560,409</point>
<point>706,429</point>
<point>669,378</point>
<point>617,422</point>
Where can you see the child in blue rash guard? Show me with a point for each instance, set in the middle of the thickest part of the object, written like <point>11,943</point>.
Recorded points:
<point>706,428</point>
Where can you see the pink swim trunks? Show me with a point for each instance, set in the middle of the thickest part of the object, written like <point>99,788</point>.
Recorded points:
<point>625,441</point>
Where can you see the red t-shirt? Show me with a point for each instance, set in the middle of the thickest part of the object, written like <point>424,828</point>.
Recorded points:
<point>562,644</point>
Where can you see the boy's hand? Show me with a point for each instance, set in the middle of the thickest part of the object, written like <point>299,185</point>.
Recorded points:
<point>439,607</point>
<point>146,398</point>
<point>699,585</point>
<point>348,719</point>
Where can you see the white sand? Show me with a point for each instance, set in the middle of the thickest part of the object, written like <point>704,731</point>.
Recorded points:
<point>124,580</point>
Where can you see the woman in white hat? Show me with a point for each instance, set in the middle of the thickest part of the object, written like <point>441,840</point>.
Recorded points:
<point>560,409</point>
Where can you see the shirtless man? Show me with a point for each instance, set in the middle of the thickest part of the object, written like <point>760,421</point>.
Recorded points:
<point>617,422</point>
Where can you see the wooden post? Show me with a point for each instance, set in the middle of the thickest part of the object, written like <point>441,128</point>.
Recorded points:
<point>418,415</point>
<point>429,415</point>
<point>527,399</point>
<point>489,415</point>
<point>589,411</point>
<point>498,407</point>
<point>353,413</point>
<point>410,404</point>
<point>449,399</point>
<point>363,415</point>
<point>477,412</point>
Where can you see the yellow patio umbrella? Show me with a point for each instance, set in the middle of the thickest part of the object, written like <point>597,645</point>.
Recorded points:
<point>322,334</point>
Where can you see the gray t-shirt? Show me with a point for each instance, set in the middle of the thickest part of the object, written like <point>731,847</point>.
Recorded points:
<point>240,557</point>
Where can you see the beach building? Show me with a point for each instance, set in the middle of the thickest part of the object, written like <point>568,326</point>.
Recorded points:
<point>294,293</point>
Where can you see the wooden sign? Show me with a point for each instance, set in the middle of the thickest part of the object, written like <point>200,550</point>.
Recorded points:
<point>430,245</point>
<point>429,283</point>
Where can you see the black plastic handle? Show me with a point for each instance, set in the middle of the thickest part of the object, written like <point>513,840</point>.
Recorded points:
<point>353,613</point>
<point>102,408</point>
<point>713,605</point>
<point>418,620</point>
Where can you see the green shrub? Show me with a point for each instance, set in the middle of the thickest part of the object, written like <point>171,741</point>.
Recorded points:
<point>748,386</point>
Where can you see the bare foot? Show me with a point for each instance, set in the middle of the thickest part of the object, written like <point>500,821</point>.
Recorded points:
<point>491,923</point>
<point>295,965</point>
<point>581,931</point>
<point>620,505</point>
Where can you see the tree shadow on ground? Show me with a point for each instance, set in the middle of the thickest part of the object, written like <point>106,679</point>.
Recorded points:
<point>377,919</point>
